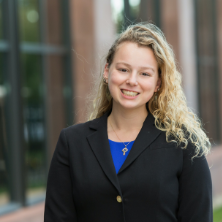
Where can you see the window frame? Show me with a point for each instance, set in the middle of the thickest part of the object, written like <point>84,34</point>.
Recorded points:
<point>12,46</point>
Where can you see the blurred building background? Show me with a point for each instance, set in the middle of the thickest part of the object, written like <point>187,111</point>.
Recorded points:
<point>50,52</point>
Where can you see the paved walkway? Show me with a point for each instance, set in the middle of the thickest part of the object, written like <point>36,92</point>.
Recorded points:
<point>35,213</point>
<point>215,163</point>
<point>27,214</point>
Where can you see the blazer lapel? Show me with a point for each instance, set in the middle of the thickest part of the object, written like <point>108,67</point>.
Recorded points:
<point>146,136</point>
<point>99,143</point>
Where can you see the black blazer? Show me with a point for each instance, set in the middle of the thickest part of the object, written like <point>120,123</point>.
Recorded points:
<point>158,182</point>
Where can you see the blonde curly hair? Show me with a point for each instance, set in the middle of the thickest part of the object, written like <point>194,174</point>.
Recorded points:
<point>168,106</point>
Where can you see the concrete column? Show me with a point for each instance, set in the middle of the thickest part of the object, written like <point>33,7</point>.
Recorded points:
<point>187,51</point>
<point>83,45</point>
<point>92,35</point>
<point>104,30</point>
<point>55,75</point>
<point>170,24</point>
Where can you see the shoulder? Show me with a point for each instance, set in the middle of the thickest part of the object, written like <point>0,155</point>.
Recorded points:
<point>81,129</point>
<point>197,164</point>
<point>188,153</point>
<point>189,149</point>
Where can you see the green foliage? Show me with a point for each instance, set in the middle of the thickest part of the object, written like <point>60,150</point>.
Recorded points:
<point>1,26</point>
<point>29,31</point>
<point>1,69</point>
<point>218,215</point>
<point>37,185</point>
<point>3,189</point>
<point>119,23</point>
<point>134,11</point>
<point>32,78</point>
<point>34,158</point>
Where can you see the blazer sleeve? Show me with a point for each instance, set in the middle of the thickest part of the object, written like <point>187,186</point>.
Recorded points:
<point>59,204</point>
<point>195,189</point>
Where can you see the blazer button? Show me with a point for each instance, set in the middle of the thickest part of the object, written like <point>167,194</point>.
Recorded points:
<point>119,199</point>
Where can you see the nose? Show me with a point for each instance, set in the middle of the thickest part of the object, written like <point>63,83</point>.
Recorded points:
<point>132,80</point>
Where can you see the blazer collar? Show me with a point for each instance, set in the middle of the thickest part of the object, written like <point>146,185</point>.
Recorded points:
<point>99,143</point>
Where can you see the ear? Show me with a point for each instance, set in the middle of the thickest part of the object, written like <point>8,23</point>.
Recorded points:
<point>106,71</point>
<point>158,84</point>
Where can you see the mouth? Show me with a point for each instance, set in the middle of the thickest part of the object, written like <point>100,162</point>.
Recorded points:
<point>129,93</point>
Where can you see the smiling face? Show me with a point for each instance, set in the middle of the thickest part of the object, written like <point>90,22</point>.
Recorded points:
<point>133,76</point>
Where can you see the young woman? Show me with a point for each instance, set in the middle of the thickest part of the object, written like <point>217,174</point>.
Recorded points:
<point>141,157</point>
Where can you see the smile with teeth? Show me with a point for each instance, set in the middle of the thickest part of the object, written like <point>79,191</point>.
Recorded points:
<point>129,93</point>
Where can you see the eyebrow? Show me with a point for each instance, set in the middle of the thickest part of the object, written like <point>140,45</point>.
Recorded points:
<point>142,67</point>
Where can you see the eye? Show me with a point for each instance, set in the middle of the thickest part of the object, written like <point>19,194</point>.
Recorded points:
<point>123,70</point>
<point>145,74</point>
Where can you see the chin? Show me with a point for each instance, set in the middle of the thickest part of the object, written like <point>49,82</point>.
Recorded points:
<point>131,106</point>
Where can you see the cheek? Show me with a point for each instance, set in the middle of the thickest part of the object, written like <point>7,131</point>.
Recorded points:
<point>113,84</point>
<point>116,79</point>
<point>149,86</point>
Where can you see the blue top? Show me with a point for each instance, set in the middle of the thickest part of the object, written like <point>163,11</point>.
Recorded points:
<point>117,153</point>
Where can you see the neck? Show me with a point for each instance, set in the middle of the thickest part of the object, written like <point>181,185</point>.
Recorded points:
<point>127,119</point>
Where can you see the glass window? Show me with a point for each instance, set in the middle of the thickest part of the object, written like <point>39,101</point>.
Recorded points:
<point>4,192</point>
<point>34,115</point>
<point>1,19</point>
<point>33,91</point>
<point>117,14</point>
<point>34,124</point>
<point>41,69</point>
<point>29,20</point>
<point>134,8</point>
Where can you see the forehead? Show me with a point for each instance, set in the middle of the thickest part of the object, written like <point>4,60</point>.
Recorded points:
<point>135,54</point>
